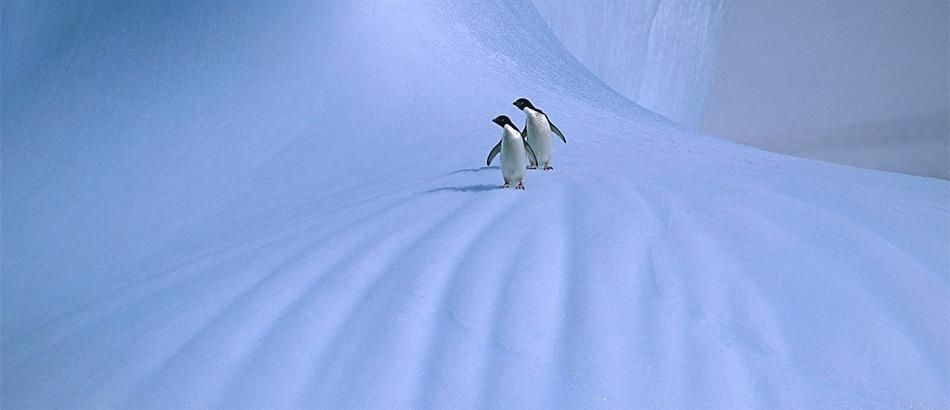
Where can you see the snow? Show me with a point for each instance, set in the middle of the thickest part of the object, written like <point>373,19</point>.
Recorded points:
<point>660,54</point>
<point>241,206</point>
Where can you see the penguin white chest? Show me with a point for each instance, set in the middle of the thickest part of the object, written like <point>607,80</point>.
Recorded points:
<point>539,135</point>
<point>512,156</point>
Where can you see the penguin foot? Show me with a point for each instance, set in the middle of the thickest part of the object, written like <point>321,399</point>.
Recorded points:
<point>548,167</point>
<point>507,185</point>
<point>532,167</point>
<point>519,186</point>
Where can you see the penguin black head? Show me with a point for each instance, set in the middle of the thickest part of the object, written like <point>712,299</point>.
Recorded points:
<point>503,120</point>
<point>523,102</point>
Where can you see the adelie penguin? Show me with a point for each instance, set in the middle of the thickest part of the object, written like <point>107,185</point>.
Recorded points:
<point>513,149</point>
<point>537,131</point>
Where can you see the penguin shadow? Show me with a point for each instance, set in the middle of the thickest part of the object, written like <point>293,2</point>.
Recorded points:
<point>466,188</point>
<point>472,170</point>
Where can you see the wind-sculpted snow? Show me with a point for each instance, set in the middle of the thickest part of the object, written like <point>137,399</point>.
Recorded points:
<point>660,54</point>
<point>311,229</point>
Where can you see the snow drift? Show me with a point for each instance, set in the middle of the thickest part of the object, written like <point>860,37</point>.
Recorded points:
<point>238,205</point>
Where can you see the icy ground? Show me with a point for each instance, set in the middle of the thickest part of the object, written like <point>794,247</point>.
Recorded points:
<point>237,205</point>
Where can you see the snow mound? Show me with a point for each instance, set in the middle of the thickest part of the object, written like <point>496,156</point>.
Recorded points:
<point>235,206</point>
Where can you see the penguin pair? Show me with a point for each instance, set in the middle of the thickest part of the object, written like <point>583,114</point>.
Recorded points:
<point>533,144</point>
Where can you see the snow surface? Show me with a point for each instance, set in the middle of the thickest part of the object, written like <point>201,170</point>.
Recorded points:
<point>238,205</point>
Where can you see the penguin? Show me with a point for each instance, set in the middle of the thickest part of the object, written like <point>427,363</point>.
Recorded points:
<point>537,131</point>
<point>514,149</point>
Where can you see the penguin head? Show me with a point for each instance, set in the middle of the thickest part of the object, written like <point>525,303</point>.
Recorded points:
<point>503,120</point>
<point>523,102</point>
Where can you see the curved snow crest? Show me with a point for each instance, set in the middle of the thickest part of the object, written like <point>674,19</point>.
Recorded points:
<point>660,54</point>
<point>651,268</point>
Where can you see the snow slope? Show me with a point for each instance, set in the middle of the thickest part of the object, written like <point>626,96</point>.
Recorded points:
<point>237,205</point>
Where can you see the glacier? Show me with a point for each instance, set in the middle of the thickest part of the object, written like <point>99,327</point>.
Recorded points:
<point>660,54</point>
<point>251,205</point>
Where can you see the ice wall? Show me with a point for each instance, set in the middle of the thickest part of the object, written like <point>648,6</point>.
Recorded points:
<point>660,54</point>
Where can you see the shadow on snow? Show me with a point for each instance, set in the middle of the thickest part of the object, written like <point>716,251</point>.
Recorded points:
<point>472,170</point>
<point>467,188</point>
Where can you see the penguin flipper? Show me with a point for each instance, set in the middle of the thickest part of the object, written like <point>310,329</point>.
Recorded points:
<point>531,157</point>
<point>557,131</point>
<point>494,151</point>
